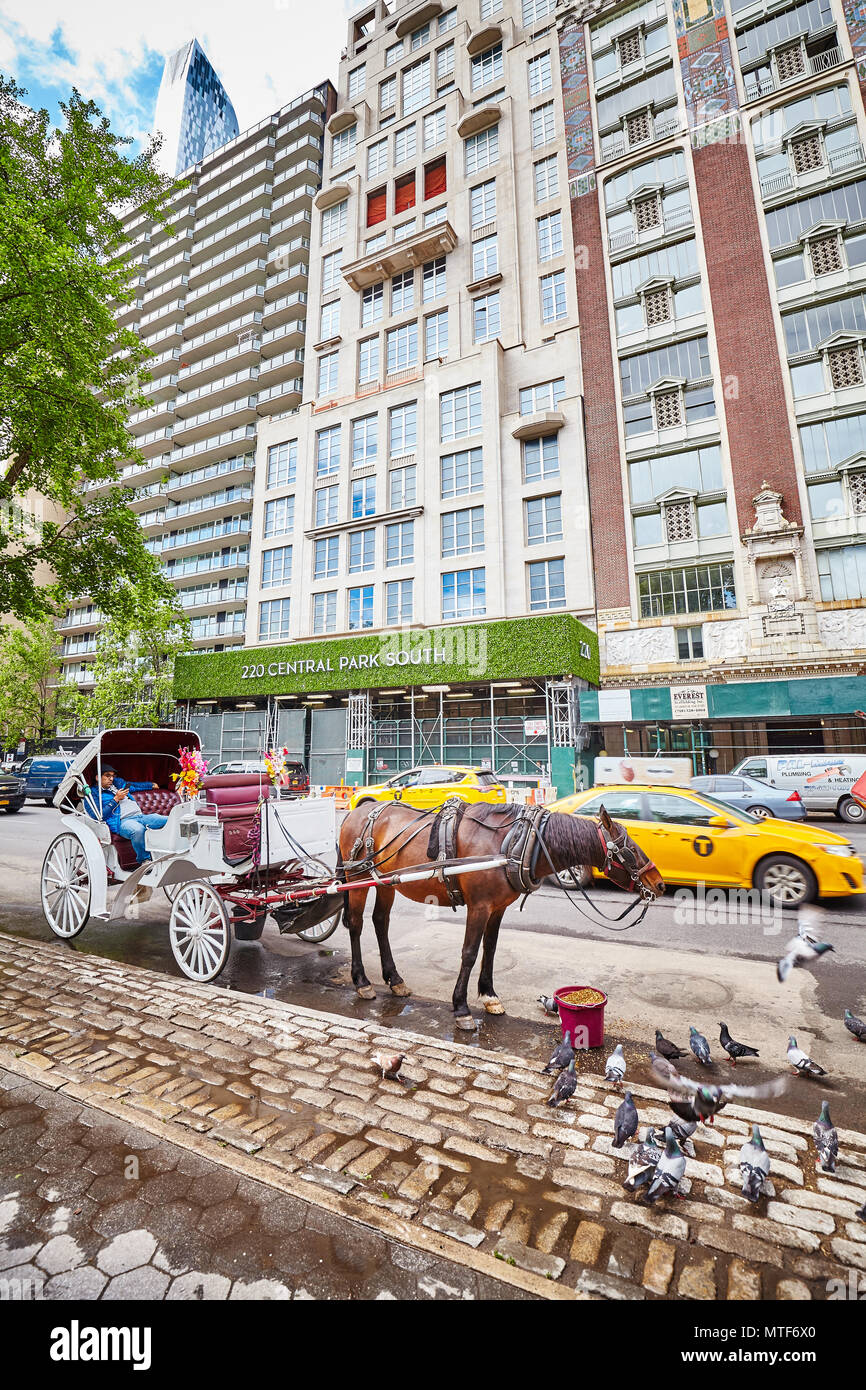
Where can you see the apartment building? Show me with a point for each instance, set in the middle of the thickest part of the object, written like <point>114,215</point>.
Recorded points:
<point>221,301</point>
<point>421,551</point>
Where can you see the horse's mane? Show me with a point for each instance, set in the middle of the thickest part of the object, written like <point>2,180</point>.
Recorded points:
<point>572,839</point>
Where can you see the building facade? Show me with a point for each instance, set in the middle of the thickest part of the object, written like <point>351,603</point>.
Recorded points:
<point>194,115</point>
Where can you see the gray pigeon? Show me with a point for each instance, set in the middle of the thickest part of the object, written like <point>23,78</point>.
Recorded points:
<point>861,1214</point>
<point>563,1086</point>
<point>700,1047</point>
<point>669,1170</point>
<point>735,1049</point>
<point>754,1166</point>
<point>643,1159</point>
<point>661,1066</point>
<point>614,1067</point>
<point>665,1048</point>
<point>683,1131</point>
<point>800,950</point>
<point>704,1102</point>
<point>549,1004</point>
<point>855,1025</point>
<point>625,1121</point>
<point>826,1140</point>
<point>562,1055</point>
<point>801,1062</point>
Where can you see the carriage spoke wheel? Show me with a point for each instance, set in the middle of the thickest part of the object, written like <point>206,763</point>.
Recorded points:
<point>65,887</point>
<point>322,930</point>
<point>199,931</point>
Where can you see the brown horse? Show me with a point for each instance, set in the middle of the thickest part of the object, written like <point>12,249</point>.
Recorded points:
<point>397,840</point>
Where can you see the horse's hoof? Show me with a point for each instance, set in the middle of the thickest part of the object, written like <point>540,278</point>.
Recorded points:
<point>400,989</point>
<point>366,992</point>
<point>466,1023</point>
<point>491,1004</point>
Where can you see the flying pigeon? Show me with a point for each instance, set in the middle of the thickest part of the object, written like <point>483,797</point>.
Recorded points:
<point>665,1048</point>
<point>562,1055</point>
<point>735,1049</point>
<point>625,1121</point>
<point>700,1047</point>
<point>826,1140</point>
<point>643,1159</point>
<point>614,1067</point>
<point>855,1025</point>
<point>801,1062</point>
<point>754,1166</point>
<point>564,1085</point>
<point>661,1065</point>
<point>706,1101</point>
<point>390,1064</point>
<point>800,950</point>
<point>549,1005</point>
<point>669,1170</point>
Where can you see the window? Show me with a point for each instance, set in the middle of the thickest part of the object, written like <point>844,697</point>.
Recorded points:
<point>388,94</point>
<point>435,179</point>
<point>326,505</point>
<point>377,207</point>
<point>329,326</point>
<point>435,216</point>
<point>398,602</point>
<point>326,557</point>
<point>436,335</point>
<point>807,153</point>
<point>404,230</point>
<point>360,608</point>
<point>657,306</point>
<point>546,585</point>
<point>485,257</point>
<point>404,194</point>
<point>463,594</point>
<point>372,303</point>
<point>279,516</point>
<point>549,236</point>
<point>460,412</point>
<point>362,550</point>
<point>462,532</point>
<point>276,567</point>
<point>405,143</point>
<point>433,280</point>
<point>403,429</point>
<point>402,487</point>
<point>490,7</point>
<point>690,643</point>
<point>334,221</point>
<point>419,37</point>
<point>679,521</point>
<point>543,125</point>
<point>377,158</point>
<point>399,543</point>
<point>842,572</point>
<point>546,178</point>
<point>325,612</point>
<point>487,66</point>
<point>357,81</point>
<point>540,74</point>
<point>536,9</point>
<point>403,291</point>
<point>434,128</point>
<point>485,317</point>
<point>846,368</point>
<point>553,304</point>
<point>328,450</point>
<point>363,498</point>
<point>402,348</point>
<point>543,516</point>
<point>689,359</point>
<point>364,433</point>
<point>445,64</point>
<point>343,145</point>
<point>331,278</point>
<point>699,589</point>
<point>482,203</point>
<point>481,150</point>
<point>393,54</point>
<point>328,373</point>
<point>545,396</point>
<point>678,810</point>
<point>416,86</point>
<point>461,473</point>
<point>541,458</point>
<point>274,620</point>
<point>368,361</point>
<point>282,463</point>
<point>447,21</point>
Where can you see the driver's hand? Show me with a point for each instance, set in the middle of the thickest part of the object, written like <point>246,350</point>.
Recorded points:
<point>121,793</point>
<point>154,786</point>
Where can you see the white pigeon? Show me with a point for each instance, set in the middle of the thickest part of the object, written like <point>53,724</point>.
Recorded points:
<point>801,1061</point>
<point>800,950</point>
<point>754,1166</point>
<point>614,1067</point>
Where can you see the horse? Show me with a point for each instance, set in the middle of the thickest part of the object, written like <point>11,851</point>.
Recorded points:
<point>393,836</point>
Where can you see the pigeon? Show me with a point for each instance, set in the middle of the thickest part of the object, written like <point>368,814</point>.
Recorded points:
<point>800,950</point>
<point>855,1025</point>
<point>625,1121</point>
<point>669,1170</point>
<point>549,1005</point>
<point>801,1062</point>
<point>754,1166</point>
<point>700,1047</point>
<point>665,1048</point>
<point>614,1067</point>
<point>861,1214</point>
<point>683,1131</point>
<point>564,1085</point>
<point>735,1049</point>
<point>826,1140</point>
<point>562,1055</point>
<point>390,1065</point>
<point>661,1065</point>
<point>643,1159</point>
<point>704,1102</point>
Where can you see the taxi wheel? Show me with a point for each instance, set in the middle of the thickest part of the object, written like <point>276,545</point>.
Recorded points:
<point>787,881</point>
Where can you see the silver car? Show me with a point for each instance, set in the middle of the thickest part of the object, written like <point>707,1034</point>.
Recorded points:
<point>748,794</point>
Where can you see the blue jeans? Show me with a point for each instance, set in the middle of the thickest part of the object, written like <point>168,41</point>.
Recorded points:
<point>133,827</point>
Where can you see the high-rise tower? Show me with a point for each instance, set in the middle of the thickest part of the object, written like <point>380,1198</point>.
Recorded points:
<point>193,111</point>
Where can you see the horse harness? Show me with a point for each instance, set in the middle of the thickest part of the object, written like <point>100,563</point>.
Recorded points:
<point>442,845</point>
<point>522,845</point>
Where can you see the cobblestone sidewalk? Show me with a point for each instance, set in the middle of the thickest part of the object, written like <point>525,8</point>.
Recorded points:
<point>468,1162</point>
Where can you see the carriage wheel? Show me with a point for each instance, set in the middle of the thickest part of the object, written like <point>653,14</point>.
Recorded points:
<point>65,887</point>
<point>322,930</point>
<point>171,890</point>
<point>199,933</point>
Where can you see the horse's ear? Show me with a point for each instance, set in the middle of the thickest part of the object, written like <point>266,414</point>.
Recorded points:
<point>605,818</point>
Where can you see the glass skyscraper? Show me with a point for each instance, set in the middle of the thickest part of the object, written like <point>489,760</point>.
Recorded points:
<point>193,111</point>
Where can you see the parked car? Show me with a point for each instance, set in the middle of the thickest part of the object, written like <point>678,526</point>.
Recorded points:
<point>42,777</point>
<point>824,781</point>
<point>12,796</point>
<point>748,794</point>
<point>426,787</point>
<point>299,778</point>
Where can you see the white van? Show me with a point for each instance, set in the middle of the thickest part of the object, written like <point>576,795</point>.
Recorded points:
<point>824,782</point>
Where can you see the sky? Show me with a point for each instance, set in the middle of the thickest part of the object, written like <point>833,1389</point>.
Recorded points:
<point>266,52</point>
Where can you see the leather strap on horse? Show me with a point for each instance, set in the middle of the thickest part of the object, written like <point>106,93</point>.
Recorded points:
<point>363,849</point>
<point>442,845</point>
<point>522,845</point>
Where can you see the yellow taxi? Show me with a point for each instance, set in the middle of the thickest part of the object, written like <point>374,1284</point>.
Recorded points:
<point>430,786</point>
<point>695,838</point>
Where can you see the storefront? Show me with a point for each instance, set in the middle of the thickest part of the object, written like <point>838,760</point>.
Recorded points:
<point>502,695</point>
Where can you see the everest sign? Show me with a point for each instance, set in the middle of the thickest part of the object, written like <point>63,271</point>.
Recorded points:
<point>689,702</point>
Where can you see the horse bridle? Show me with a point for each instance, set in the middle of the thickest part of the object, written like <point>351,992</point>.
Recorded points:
<point>621,866</point>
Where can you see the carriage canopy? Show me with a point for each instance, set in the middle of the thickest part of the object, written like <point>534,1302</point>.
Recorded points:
<point>138,755</point>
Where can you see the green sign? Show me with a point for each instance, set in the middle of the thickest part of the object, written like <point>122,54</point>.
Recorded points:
<point>514,649</point>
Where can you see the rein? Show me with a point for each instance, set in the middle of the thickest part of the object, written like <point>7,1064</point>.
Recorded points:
<point>643,903</point>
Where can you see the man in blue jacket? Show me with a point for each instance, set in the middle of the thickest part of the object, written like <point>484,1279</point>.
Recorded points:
<point>121,813</point>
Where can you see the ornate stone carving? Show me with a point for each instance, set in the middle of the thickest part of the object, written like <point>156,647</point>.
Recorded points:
<point>843,628</point>
<point>640,646</point>
<point>726,641</point>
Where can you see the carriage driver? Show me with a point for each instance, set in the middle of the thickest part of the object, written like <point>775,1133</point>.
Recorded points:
<point>121,813</point>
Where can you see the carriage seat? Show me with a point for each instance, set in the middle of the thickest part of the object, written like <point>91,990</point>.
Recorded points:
<point>235,797</point>
<point>152,803</point>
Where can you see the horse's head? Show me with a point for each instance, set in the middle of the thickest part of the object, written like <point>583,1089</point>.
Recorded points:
<point>625,862</point>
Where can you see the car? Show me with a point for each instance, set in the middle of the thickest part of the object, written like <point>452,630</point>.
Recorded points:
<point>42,777</point>
<point>426,787</point>
<point>692,837</point>
<point>823,780</point>
<point>298,777</point>
<point>750,794</point>
<point>12,792</point>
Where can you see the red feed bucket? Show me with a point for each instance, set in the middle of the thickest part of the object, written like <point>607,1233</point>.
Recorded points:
<point>585,1022</point>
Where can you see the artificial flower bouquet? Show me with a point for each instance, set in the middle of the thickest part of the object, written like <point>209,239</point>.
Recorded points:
<point>192,769</point>
<point>276,768</point>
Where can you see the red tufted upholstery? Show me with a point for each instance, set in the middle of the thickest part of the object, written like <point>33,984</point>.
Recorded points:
<point>236,796</point>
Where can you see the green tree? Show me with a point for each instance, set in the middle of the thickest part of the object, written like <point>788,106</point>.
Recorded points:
<point>34,697</point>
<point>68,374</point>
<point>134,665</point>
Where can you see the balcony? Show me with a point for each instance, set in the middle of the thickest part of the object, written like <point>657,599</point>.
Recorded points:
<point>226,440</point>
<point>209,368</point>
<point>225,500</point>
<point>229,256</point>
<point>422,246</point>
<point>815,65</point>
<point>838,162</point>
<point>196,481</point>
<point>218,391</point>
<point>198,426</point>
<point>236,560</point>
<point>672,222</point>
